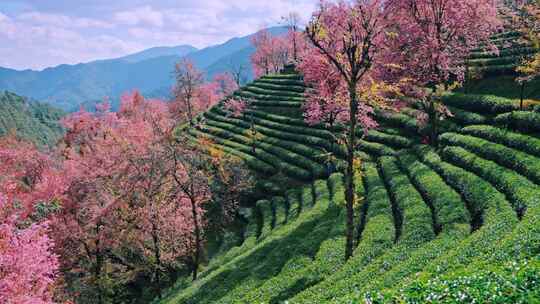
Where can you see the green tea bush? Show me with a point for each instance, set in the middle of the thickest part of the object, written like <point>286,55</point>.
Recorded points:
<point>287,87</point>
<point>484,104</point>
<point>292,164</point>
<point>416,225</point>
<point>374,148</point>
<point>279,204</point>
<point>392,140</point>
<point>519,190</point>
<point>514,283</point>
<point>240,151</point>
<point>294,202</point>
<point>518,161</point>
<point>377,237</point>
<point>525,143</point>
<point>447,205</point>
<point>524,121</point>
<point>463,117</point>
<point>307,197</point>
<point>284,94</point>
<point>264,208</point>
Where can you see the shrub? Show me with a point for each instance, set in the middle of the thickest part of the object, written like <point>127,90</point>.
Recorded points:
<point>264,208</point>
<point>513,283</point>
<point>378,236</point>
<point>373,148</point>
<point>240,127</point>
<point>446,203</point>
<point>506,60</point>
<point>521,162</point>
<point>286,86</point>
<point>398,120</point>
<point>289,162</point>
<point>519,190</point>
<point>393,140</point>
<point>416,225</point>
<point>240,151</point>
<point>467,118</point>
<point>283,93</point>
<point>515,51</point>
<point>528,144</point>
<point>262,95</point>
<point>524,121</point>
<point>479,103</point>
<point>279,204</point>
<point>294,202</point>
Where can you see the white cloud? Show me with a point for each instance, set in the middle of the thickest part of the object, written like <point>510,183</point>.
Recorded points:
<point>141,15</point>
<point>45,36</point>
<point>39,18</point>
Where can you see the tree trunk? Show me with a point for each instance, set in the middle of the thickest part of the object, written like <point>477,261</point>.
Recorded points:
<point>294,47</point>
<point>99,266</point>
<point>190,112</point>
<point>434,122</point>
<point>349,176</point>
<point>157,255</point>
<point>197,256</point>
<point>522,95</point>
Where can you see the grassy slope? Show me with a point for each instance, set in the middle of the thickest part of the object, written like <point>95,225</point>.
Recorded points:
<point>431,218</point>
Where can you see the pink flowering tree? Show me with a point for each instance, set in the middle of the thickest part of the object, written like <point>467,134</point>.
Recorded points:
<point>31,186</point>
<point>192,95</point>
<point>271,52</point>
<point>347,44</point>
<point>186,90</point>
<point>122,200</point>
<point>432,41</point>
<point>28,266</point>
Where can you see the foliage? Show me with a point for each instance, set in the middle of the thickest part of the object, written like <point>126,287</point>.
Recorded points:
<point>432,40</point>
<point>29,120</point>
<point>28,266</point>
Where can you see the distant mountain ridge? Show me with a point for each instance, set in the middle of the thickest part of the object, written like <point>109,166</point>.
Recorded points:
<point>180,50</point>
<point>70,86</point>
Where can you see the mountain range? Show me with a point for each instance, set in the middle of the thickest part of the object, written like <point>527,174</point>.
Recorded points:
<point>69,86</point>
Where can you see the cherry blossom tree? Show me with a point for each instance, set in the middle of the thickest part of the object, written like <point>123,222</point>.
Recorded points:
<point>29,187</point>
<point>347,45</point>
<point>28,266</point>
<point>292,21</point>
<point>433,39</point>
<point>186,89</point>
<point>271,53</point>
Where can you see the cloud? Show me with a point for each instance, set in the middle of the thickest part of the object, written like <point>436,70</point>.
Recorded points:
<point>39,18</point>
<point>139,16</point>
<point>46,33</point>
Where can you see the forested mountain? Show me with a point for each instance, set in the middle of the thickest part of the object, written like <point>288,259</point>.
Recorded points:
<point>37,122</point>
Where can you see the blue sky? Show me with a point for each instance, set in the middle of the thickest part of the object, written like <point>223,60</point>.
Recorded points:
<point>42,33</point>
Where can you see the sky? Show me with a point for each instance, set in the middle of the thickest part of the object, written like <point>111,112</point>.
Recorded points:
<point>35,34</point>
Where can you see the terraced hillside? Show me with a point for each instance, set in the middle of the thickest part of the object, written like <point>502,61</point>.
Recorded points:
<point>443,226</point>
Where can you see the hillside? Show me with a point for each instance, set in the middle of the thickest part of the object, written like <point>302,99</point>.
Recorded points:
<point>457,224</point>
<point>69,86</point>
<point>31,120</point>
